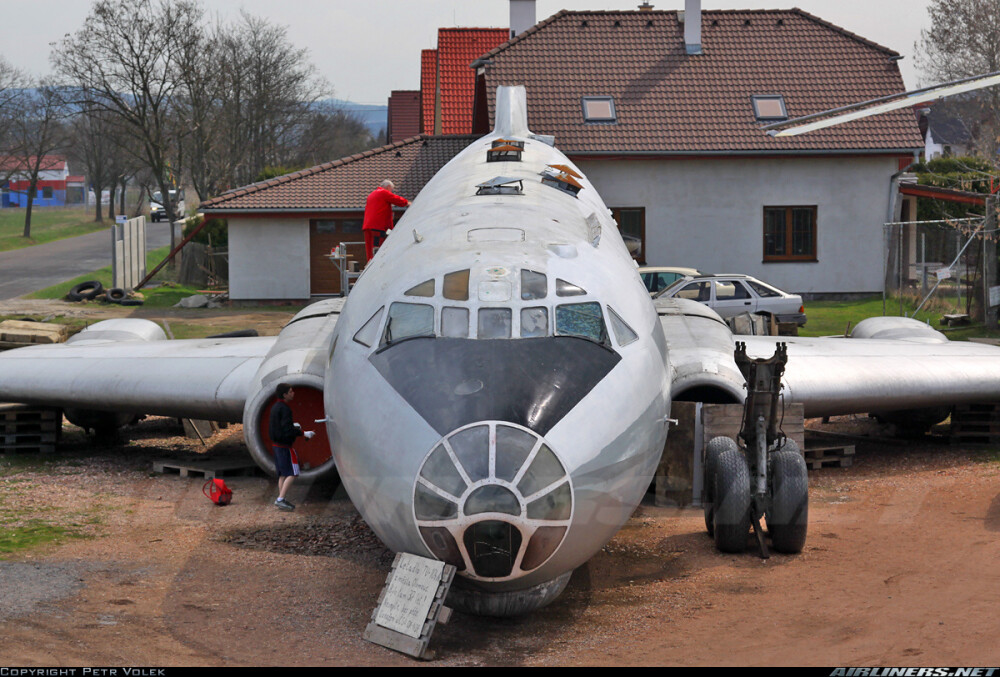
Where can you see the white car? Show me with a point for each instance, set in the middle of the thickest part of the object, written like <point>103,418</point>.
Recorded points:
<point>658,278</point>
<point>731,295</point>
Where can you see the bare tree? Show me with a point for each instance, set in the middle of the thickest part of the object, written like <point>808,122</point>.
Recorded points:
<point>964,40</point>
<point>246,103</point>
<point>36,131</point>
<point>128,59</point>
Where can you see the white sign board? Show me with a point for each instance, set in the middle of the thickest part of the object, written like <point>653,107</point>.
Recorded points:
<point>409,595</point>
<point>943,273</point>
<point>994,296</point>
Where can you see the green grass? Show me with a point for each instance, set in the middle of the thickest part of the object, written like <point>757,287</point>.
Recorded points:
<point>163,296</point>
<point>47,224</point>
<point>830,318</point>
<point>32,535</point>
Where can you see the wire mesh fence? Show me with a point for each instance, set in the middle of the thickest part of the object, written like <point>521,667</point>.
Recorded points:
<point>936,264</point>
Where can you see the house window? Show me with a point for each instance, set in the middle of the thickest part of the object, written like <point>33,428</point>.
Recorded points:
<point>47,192</point>
<point>599,109</point>
<point>769,107</point>
<point>789,233</point>
<point>632,225</point>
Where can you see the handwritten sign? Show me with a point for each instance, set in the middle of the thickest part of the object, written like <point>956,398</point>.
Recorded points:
<point>409,594</point>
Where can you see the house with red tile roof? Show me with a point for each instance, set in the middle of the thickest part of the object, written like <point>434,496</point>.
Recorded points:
<point>51,188</point>
<point>275,226</point>
<point>663,112</point>
<point>447,82</point>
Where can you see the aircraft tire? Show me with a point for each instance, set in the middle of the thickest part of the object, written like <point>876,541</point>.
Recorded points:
<point>788,518</point>
<point>715,446</point>
<point>732,502</point>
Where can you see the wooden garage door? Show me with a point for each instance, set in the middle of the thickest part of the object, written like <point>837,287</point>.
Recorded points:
<point>324,235</point>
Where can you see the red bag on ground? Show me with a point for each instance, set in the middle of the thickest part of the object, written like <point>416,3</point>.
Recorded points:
<point>217,492</point>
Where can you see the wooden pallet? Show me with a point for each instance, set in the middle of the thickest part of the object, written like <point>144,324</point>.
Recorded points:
<point>28,448</point>
<point>207,468</point>
<point>975,424</point>
<point>829,457</point>
<point>26,429</point>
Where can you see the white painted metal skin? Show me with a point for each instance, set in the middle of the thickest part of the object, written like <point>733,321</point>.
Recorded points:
<point>604,447</point>
<point>609,443</point>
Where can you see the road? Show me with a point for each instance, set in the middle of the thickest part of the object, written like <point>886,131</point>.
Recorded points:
<point>23,271</point>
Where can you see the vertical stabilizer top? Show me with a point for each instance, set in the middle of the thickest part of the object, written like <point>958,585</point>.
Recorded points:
<point>512,112</point>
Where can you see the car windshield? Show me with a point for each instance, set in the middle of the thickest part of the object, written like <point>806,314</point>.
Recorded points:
<point>668,291</point>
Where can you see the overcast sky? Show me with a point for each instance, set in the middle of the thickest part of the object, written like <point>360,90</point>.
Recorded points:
<point>366,48</point>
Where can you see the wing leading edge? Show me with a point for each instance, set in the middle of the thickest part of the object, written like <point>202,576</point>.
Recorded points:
<point>194,378</point>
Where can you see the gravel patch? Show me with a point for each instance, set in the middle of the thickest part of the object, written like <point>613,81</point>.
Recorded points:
<point>29,586</point>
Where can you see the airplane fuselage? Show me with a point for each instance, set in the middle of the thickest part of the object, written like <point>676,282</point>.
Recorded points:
<point>507,387</point>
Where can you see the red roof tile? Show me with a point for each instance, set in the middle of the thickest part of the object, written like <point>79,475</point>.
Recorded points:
<point>345,184</point>
<point>428,88</point>
<point>404,115</point>
<point>669,102</point>
<point>11,163</point>
<point>457,48</point>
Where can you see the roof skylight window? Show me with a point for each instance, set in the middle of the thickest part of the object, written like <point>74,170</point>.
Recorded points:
<point>599,109</point>
<point>769,107</point>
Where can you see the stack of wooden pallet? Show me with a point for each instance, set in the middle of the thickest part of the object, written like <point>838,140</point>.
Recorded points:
<point>25,428</point>
<point>976,424</point>
<point>17,334</point>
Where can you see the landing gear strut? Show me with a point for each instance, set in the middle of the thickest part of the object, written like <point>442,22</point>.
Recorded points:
<point>766,477</point>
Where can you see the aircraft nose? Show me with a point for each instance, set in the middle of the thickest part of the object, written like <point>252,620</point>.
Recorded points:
<point>494,499</point>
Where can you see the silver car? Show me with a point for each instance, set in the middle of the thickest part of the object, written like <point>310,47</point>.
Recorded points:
<point>658,278</point>
<point>730,295</point>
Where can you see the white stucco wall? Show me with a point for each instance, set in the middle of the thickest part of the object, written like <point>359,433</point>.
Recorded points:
<point>709,213</point>
<point>268,258</point>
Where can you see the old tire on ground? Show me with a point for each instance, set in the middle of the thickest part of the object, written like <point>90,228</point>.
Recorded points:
<point>115,295</point>
<point>85,291</point>
<point>732,502</point>
<point>788,517</point>
<point>131,302</point>
<point>715,446</point>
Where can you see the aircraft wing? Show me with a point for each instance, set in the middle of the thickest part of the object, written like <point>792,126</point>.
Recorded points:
<point>128,367</point>
<point>832,376</point>
<point>888,364</point>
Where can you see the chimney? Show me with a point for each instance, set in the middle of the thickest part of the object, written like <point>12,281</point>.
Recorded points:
<point>691,18</point>
<point>522,16</point>
<point>645,6</point>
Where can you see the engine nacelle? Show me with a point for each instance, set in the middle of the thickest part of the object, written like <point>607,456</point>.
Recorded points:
<point>299,357</point>
<point>700,353</point>
<point>110,331</point>
<point>898,328</point>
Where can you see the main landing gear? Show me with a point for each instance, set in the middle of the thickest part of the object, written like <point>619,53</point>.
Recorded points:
<point>766,477</point>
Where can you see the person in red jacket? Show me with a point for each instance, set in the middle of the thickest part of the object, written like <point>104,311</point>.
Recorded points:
<point>378,215</point>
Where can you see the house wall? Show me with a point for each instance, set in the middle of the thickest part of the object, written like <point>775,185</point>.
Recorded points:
<point>268,258</point>
<point>708,214</point>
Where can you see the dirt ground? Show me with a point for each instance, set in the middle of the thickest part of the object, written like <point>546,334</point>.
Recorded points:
<point>900,568</point>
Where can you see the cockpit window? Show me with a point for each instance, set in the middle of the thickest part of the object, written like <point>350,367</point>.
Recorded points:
<point>623,332</point>
<point>368,334</point>
<point>533,285</point>
<point>581,319</point>
<point>456,286</point>
<point>423,289</point>
<point>534,322</point>
<point>494,323</point>
<point>455,322</point>
<point>407,320</point>
<point>564,288</point>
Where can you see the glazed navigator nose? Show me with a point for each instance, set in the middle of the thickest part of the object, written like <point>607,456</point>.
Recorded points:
<point>494,499</point>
